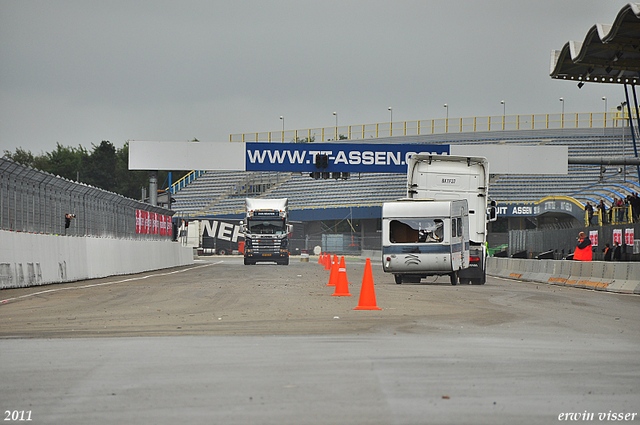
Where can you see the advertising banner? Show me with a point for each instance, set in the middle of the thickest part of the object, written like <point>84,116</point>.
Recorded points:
<point>593,236</point>
<point>169,224</point>
<point>628,237</point>
<point>341,157</point>
<point>138,221</point>
<point>153,223</point>
<point>617,236</point>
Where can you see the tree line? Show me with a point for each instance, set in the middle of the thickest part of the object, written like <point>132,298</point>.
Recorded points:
<point>106,167</point>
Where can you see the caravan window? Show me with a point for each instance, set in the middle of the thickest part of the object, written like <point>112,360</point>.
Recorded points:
<point>416,230</point>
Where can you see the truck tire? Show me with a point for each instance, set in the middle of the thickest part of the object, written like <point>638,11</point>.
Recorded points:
<point>454,278</point>
<point>398,278</point>
<point>248,262</point>
<point>477,281</point>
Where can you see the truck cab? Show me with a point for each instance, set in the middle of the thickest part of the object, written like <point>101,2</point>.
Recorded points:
<point>266,231</point>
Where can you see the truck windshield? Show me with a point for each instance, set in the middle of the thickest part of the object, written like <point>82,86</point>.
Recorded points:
<point>266,227</point>
<point>416,230</point>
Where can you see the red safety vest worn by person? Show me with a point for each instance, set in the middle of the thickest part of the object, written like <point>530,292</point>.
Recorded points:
<point>583,250</point>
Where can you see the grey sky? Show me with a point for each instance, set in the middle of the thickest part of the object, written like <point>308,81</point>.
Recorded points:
<point>79,72</point>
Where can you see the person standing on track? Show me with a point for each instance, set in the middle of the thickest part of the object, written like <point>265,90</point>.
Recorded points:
<point>583,249</point>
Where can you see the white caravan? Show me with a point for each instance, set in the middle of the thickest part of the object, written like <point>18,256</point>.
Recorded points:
<point>425,237</point>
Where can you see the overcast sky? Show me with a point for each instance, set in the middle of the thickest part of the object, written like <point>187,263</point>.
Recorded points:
<point>79,72</point>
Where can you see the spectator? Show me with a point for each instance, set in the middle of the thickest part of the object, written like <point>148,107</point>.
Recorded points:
<point>602,210</point>
<point>624,216</point>
<point>583,249</point>
<point>607,252</point>
<point>618,204</point>
<point>617,252</point>
<point>635,207</point>
<point>589,209</point>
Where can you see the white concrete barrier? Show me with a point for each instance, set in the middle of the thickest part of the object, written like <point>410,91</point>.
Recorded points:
<point>627,281</point>
<point>597,275</point>
<point>28,259</point>
<point>373,255</point>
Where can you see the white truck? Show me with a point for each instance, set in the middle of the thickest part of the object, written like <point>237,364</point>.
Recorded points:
<point>450,178</point>
<point>266,231</point>
<point>423,237</point>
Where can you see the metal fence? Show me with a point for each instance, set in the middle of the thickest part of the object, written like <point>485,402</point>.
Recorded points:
<point>37,202</point>
<point>441,126</point>
<point>563,241</point>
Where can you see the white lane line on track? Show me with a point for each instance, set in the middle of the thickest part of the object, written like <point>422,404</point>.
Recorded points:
<point>48,291</point>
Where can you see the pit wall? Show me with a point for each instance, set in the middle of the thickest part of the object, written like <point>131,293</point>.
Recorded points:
<point>620,277</point>
<point>28,259</point>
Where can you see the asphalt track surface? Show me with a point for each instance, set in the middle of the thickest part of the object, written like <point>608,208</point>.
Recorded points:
<point>218,342</point>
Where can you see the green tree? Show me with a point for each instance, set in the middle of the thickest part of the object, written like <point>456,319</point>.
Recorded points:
<point>99,168</point>
<point>21,157</point>
<point>65,162</point>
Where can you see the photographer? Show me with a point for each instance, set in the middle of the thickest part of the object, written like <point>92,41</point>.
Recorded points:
<point>67,221</point>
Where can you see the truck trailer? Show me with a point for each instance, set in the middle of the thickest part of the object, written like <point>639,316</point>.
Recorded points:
<point>451,178</point>
<point>222,237</point>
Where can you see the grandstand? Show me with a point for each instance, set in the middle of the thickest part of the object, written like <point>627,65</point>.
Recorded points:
<point>221,194</point>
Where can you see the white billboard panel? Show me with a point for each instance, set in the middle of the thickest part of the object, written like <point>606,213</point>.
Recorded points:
<point>514,159</point>
<point>154,155</point>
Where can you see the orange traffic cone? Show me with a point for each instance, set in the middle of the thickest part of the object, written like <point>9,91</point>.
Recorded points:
<point>367,293</point>
<point>333,276</point>
<point>342,286</point>
<point>327,262</point>
<point>321,258</point>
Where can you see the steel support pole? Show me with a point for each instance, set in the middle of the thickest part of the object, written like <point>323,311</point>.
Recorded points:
<point>633,133</point>
<point>153,188</point>
<point>635,101</point>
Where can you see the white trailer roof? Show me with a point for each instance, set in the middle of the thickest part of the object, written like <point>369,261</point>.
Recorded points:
<point>419,208</point>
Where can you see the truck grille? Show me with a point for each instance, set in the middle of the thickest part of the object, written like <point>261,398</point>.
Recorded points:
<point>266,245</point>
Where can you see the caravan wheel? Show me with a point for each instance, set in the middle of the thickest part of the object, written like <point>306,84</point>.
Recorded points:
<point>454,278</point>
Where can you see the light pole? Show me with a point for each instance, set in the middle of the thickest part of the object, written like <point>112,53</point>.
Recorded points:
<point>335,114</point>
<point>282,118</point>
<point>604,117</point>
<point>562,115</point>
<point>504,112</point>
<point>446,122</point>
<point>390,120</point>
<point>620,108</point>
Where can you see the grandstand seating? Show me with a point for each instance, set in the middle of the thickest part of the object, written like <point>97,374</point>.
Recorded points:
<point>223,192</point>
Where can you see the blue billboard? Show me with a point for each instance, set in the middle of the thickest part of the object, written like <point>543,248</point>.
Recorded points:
<point>340,157</point>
